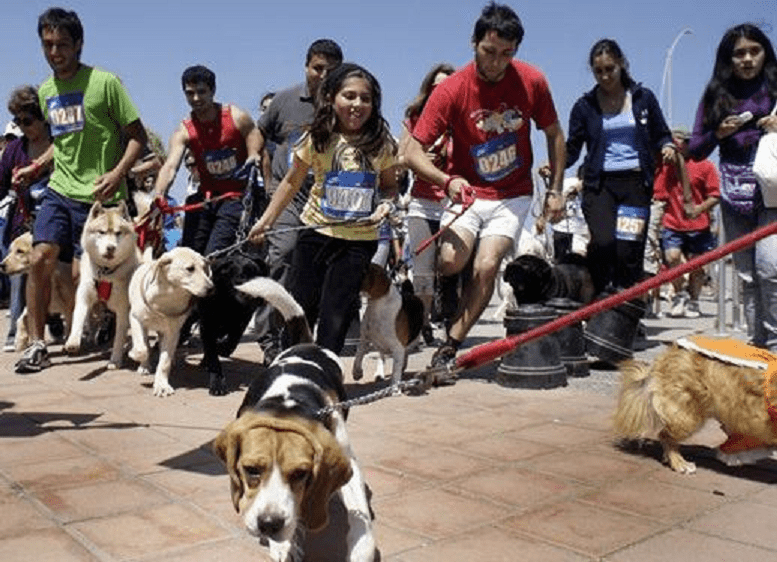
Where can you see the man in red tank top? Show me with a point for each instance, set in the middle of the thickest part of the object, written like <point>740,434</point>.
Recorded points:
<point>222,139</point>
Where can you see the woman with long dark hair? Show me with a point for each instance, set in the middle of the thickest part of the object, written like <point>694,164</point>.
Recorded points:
<point>733,114</point>
<point>621,125</point>
<point>426,204</point>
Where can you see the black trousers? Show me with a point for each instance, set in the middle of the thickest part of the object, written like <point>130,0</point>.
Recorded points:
<point>325,279</point>
<point>615,258</point>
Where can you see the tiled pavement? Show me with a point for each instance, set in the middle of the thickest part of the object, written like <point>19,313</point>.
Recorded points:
<point>94,468</point>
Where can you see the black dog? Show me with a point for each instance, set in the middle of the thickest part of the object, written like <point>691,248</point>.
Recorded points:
<point>534,280</point>
<point>225,312</point>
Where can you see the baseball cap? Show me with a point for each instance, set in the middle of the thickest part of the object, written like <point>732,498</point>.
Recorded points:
<point>12,129</point>
<point>681,131</point>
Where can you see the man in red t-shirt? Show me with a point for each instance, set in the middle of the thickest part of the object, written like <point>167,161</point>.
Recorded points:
<point>487,107</point>
<point>686,234</point>
<point>223,141</point>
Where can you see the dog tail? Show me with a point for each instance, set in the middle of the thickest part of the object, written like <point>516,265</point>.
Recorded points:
<point>635,414</point>
<point>278,297</point>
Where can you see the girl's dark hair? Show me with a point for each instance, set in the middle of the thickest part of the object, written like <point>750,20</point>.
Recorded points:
<point>199,74</point>
<point>59,18</point>
<point>718,101</point>
<point>417,105</point>
<point>24,99</point>
<point>499,18</point>
<point>610,47</point>
<point>375,133</point>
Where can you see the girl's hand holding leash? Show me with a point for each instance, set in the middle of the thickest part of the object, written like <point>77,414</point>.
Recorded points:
<point>258,232</point>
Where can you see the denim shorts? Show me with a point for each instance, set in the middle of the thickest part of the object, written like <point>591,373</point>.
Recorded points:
<point>690,243</point>
<point>60,221</point>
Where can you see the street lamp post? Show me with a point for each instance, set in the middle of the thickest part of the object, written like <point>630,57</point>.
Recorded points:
<point>666,79</point>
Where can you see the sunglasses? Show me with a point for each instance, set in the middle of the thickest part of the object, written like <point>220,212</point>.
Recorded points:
<point>24,121</point>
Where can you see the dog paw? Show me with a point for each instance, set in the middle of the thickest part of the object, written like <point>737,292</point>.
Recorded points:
<point>218,385</point>
<point>357,374</point>
<point>163,389</point>
<point>143,370</point>
<point>138,355</point>
<point>72,348</point>
<point>112,366</point>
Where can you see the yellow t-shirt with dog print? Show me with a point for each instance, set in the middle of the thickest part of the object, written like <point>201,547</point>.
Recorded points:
<point>346,187</point>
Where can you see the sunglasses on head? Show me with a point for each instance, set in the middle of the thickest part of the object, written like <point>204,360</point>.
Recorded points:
<point>24,121</point>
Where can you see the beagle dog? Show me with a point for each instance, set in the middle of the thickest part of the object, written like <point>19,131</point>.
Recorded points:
<point>285,458</point>
<point>391,321</point>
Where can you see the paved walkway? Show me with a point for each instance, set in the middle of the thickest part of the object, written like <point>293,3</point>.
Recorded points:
<point>94,468</point>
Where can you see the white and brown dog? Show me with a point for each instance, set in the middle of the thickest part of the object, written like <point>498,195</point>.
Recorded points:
<point>110,257</point>
<point>162,294</point>
<point>695,380</point>
<point>285,456</point>
<point>17,262</point>
<point>391,321</point>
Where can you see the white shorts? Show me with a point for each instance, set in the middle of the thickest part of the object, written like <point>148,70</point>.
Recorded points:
<point>426,208</point>
<point>485,217</point>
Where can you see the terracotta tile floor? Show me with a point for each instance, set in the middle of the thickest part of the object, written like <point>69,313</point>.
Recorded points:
<point>94,468</point>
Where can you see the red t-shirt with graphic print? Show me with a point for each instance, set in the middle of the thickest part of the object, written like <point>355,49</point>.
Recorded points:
<point>490,126</point>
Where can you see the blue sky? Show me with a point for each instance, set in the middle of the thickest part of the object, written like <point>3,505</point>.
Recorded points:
<point>254,46</point>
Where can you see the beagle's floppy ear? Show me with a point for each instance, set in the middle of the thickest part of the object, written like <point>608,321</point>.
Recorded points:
<point>227,448</point>
<point>332,469</point>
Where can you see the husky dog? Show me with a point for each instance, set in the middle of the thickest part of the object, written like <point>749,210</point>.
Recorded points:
<point>110,257</point>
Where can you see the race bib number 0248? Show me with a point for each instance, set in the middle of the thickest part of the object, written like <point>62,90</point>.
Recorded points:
<point>66,113</point>
<point>496,158</point>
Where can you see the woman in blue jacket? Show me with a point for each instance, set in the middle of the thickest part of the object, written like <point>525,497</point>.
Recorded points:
<point>623,130</point>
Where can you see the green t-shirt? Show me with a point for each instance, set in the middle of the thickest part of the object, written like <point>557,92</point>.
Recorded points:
<point>87,114</point>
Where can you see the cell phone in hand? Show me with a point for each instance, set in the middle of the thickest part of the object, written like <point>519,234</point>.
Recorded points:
<point>744,117</point>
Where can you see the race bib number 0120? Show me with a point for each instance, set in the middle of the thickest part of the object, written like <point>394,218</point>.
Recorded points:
<point>631,221</point>
<point>66,113</point>
<point>497,158</point>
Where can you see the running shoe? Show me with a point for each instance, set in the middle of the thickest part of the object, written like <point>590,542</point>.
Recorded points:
<point>692,309</point>
<point>34,359</point>
<point>444,356</point>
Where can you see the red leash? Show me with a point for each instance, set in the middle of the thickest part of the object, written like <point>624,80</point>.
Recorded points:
<point>467,199</point>
<point>487,352</point>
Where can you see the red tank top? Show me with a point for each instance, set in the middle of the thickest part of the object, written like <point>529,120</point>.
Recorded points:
<point>219,149</point>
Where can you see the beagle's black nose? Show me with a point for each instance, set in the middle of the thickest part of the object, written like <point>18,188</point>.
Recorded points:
<point>270,525</point>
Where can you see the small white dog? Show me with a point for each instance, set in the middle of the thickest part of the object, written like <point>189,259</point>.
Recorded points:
<point>110,257</point>
<point>162,294</point>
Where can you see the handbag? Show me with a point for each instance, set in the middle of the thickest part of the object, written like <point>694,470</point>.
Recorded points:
<point>765,166</point>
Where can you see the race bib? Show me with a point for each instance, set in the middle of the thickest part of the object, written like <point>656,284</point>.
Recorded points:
<point>66,113</point>
<point>631,221</point>
<point>222,163</point>
<point>496,158</point>
<point>348,195</point>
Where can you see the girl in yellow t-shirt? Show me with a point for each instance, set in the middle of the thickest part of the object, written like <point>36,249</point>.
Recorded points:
<point>353,159</point>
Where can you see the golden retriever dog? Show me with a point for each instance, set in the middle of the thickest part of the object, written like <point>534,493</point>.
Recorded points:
<point>692,381</point>
<point>17,262</point>
<point>287,457</point>
<point>162,294</point>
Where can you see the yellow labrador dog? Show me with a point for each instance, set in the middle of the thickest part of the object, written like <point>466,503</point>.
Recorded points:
<point>17,262</point>
<point>162,294</point>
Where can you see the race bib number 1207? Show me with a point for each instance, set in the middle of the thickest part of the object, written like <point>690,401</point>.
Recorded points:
<point>66,113</point>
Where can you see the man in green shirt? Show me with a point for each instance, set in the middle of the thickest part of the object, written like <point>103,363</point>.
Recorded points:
<point>98,136</point>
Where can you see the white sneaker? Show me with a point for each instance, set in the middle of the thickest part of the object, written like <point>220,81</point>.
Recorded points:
<point>678,305</point>
<point>692,309</point>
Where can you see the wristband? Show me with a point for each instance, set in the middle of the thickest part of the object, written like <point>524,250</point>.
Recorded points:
<point>447,183</point>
